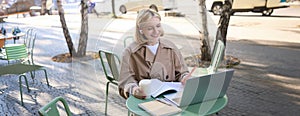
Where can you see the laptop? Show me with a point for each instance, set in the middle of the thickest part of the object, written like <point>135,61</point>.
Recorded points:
<point>202,88</point>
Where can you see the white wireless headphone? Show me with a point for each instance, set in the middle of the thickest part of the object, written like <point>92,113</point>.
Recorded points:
<point>141,31</point>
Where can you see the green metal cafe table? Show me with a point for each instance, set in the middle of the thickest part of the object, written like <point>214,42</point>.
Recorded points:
<point>203,108</point>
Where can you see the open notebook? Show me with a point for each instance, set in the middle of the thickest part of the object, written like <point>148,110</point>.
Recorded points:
<point>154,87</point>
<point>202,88</point>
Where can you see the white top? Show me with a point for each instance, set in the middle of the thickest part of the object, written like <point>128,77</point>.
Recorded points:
<point>153,48</point>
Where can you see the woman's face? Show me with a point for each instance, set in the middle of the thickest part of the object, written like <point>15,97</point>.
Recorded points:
<point>152,30</point>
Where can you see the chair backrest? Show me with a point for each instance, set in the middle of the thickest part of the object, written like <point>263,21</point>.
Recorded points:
<point>111,64</point>
<point>29,41</point>
<point>128,40</point>
<point>217,56</point>
<point>16,52</point>
<point>28,34</point>
<point>50,109</point>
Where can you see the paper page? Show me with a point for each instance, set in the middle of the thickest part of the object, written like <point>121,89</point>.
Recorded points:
<point>174,98</point>
<point>167,86</point>
<point>155,87</point>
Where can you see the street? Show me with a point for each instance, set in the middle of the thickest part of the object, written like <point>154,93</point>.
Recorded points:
<point>265,83</point>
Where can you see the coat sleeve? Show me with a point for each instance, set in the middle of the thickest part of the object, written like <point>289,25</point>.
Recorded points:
<point>180,66</point>
<point>126,79</point>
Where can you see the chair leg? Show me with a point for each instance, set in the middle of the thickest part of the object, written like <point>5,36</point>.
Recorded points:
<point>32,75</point>
<point>106,97</point>
<point>46,76</point>
<point>20,84</point>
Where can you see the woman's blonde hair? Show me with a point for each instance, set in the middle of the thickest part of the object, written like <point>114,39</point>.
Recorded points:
<point>143,16</point>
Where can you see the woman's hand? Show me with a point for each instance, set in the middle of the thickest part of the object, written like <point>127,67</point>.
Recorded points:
<point>138,93</point>
<point>183,80</point>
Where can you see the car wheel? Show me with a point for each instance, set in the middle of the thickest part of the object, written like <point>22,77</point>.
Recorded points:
<point>232,13</point>
<point>267,12</point>
<point>24,15</point>
<point>31,13</point>
<point>217,9</point>
<point>49,12</point>
<point>123,9</point>
<point>153,7</point>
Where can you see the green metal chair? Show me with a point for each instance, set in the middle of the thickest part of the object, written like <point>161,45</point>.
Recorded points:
<point>128,40</point>
<point>110,66</point>
<point>19,52</point>
<point>50,109</point>
<point>16,52</point>
<point>217,57</point>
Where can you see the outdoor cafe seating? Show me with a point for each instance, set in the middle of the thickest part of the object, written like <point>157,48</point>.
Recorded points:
<point>14,35</point>
<point>109,62</point>
<point>18,52</point>
<point>52,108</point>
<point>20,62</point>
<point>202,108</point>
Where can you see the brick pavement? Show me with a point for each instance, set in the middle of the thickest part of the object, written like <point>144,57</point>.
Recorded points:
<point>258,87</point>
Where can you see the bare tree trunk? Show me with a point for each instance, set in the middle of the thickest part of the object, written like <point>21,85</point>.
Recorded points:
<point>65,28</point>
<point>84,30</point>
<point>43,8</point>
<point>224,21</point>
<point>205,48</point>
<point>223,24</point>
<point>113,8</point>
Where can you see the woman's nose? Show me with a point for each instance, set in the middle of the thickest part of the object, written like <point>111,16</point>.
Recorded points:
<point>156,30</point>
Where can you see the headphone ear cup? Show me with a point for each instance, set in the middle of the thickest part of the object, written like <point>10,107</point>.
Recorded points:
<point>141,31</point>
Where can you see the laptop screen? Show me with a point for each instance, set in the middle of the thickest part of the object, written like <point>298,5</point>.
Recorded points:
<point>203,88</point>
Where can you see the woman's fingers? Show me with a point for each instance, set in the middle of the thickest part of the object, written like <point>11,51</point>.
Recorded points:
<point>139,97</point>
<point>139,93</point>
<point>183,81</point>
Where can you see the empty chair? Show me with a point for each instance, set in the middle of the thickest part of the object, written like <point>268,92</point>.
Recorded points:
<point>128,40</point>
<point>217,58</point>
<point>109,62</point>
<point>18,52</point>
<point>50,109</point>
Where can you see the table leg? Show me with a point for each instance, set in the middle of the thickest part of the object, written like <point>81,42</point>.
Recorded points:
<point>2,42</point>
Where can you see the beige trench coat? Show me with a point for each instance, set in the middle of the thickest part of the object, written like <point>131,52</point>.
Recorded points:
<point>138,63</point>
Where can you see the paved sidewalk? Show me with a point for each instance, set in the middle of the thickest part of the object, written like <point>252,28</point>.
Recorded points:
<point>264,84</point>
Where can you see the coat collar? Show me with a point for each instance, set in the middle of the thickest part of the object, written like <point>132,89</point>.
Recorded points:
<point>162,44</point>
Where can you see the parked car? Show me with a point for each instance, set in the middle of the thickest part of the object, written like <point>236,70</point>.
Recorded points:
<point>51,8</point>
<point>8,7</point>
<point>262,6</point>
<point>135,5</point>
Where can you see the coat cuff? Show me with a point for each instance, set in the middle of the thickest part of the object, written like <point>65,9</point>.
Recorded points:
<point>183,76</point>
<point>129,89</point>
